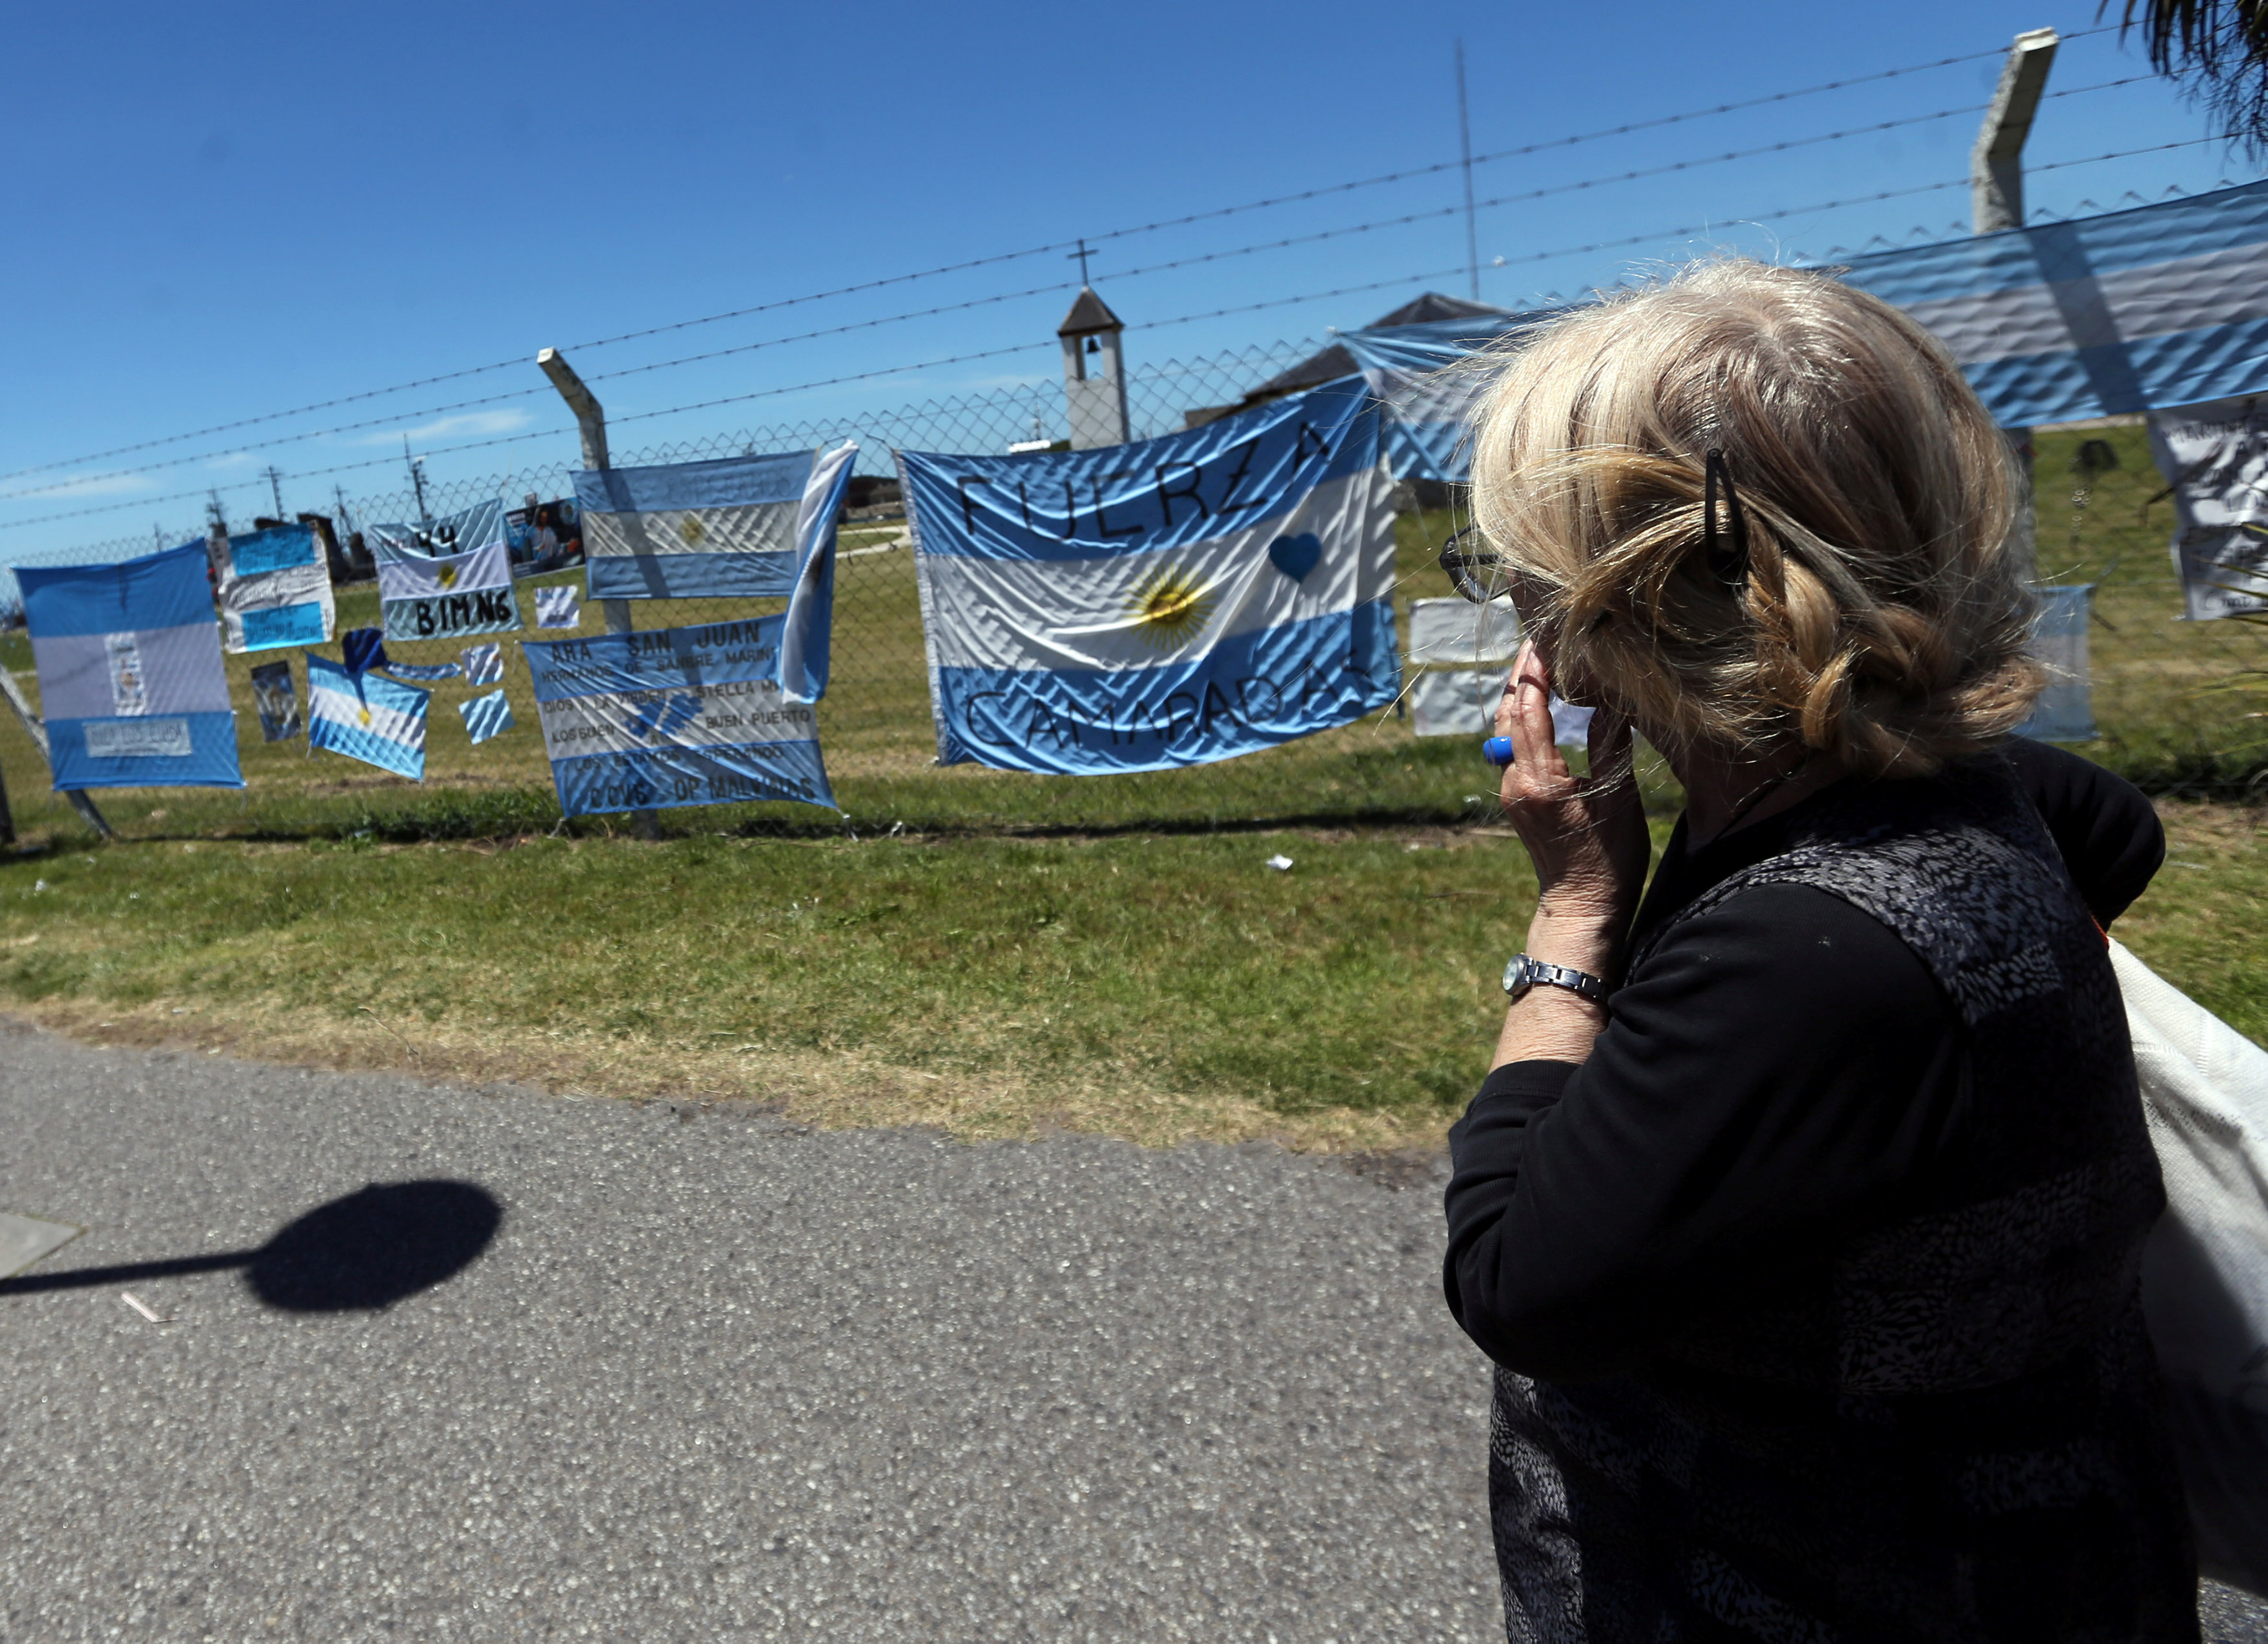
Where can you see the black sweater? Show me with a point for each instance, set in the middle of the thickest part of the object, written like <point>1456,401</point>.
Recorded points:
<point>1783,1070</point>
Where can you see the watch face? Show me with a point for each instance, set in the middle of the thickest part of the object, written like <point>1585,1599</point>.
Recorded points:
<point>1517,979</point>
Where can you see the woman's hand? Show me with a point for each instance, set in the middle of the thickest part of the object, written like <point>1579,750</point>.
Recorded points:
<point>1587,838</point>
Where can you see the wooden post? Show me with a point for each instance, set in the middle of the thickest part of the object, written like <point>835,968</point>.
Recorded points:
<point>590,422</point>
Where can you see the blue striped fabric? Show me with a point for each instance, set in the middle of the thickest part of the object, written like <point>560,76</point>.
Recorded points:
<point>486,716</point>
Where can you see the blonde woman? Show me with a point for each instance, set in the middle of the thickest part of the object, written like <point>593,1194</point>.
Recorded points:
<point>1801,1213</point>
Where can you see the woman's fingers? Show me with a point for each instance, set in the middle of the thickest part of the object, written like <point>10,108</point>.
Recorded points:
<point>1535,750</point>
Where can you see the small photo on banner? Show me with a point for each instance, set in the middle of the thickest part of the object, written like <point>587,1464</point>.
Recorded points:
<point>739,527</point>
<point>366,717</point>
<point>274,588</point>
<point>1161,604</point>
<point>131,680</point>
<point>675,716</point>
<point>557,607</point>
<point>278,702</point>
<point>485,716</point>
<point>450,577</point>
<point>483,665</point>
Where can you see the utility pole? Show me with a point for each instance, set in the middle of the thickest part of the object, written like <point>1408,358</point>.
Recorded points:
<point>591,423</point>
<point>276,489</point>
<point>1996,198</point>
<point>1465,145</point>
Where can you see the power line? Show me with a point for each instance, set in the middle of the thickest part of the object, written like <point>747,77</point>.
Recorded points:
<point>977,262</point>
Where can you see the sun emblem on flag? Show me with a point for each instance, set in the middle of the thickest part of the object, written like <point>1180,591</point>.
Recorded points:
<point>692,530</point>
<point>448,575</point>
<point>1170,608</point>
<point>363,714</point>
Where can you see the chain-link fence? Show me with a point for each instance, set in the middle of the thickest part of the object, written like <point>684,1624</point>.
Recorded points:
<point>875,726</point>
<point>2179,703</point>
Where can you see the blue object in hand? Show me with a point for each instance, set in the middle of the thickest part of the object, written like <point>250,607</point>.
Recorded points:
<point>1497,751</point>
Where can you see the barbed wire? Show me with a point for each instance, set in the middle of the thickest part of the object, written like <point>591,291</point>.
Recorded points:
<point>995,259</point>
<point>1242,308</point>
<point>1433,214</point>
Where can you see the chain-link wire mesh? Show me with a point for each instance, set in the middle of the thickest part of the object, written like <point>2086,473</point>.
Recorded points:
<point>875,726</point>
<point>2180,705</point>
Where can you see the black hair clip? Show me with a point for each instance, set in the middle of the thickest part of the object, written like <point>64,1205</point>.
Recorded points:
<point>1730,564</point>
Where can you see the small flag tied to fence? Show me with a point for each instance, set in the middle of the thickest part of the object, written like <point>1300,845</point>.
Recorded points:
<point>483,665</point>
<point>366,717</point>
<point>486,716</point>
<point>557,607</point>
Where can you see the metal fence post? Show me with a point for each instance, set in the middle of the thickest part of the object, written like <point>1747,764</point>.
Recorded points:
<point>38,733</point>
<point>7,816</point>
<point>590,422</point>
<point>1996,192</point>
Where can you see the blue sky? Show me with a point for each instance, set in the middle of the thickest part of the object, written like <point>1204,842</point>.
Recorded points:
<point>224,211</point>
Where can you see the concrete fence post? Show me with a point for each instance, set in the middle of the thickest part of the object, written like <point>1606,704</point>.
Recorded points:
<point>590,422</point>
<point>1996,196</point>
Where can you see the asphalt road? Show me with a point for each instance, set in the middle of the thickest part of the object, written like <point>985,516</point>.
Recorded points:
<point>714,1377</point>
<point>582,1369</point>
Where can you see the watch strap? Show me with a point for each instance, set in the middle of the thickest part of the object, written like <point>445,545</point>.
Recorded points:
<point>1524,972</point>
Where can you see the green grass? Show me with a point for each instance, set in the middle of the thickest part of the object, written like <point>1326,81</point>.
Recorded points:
<point>1126,964</point>
<point>1152,985</point>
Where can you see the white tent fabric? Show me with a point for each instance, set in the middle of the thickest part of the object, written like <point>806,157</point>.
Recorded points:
<point>2204,1271</point>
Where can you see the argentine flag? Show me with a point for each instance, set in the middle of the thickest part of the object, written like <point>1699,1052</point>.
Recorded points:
<point>675,716</point>
<point>366,717</point>
<point>275,589</point>
<point>739,527</point>
<point>130,678</point>
<point>452,577</point>
<point>1166,604</point>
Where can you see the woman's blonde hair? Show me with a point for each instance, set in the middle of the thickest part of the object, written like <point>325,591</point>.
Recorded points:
<point>1880,613</point>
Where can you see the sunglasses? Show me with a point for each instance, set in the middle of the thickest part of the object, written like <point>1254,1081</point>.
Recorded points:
<point>1474,572</point>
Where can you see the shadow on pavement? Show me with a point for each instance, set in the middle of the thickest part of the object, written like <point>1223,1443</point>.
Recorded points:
<point>367,1250</point>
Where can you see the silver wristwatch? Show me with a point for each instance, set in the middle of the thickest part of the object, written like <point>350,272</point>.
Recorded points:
<point>1524,973</point>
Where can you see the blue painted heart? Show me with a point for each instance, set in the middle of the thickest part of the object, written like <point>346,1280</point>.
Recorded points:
<point>1296,556</point>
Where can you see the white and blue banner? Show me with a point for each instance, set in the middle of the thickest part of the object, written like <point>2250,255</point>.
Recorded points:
<point>752,527</point>
<point>2165,305</point>
<point>131,684</point>
<point>2162,305</point>
<point>274,589</point>
<point>450,577</point>
<point>675,716</point>
<point>1165,603</point>
<point>483,665</point>
<point>2215,460</point>
<point>366,717</point>
<point>1427,405</point>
